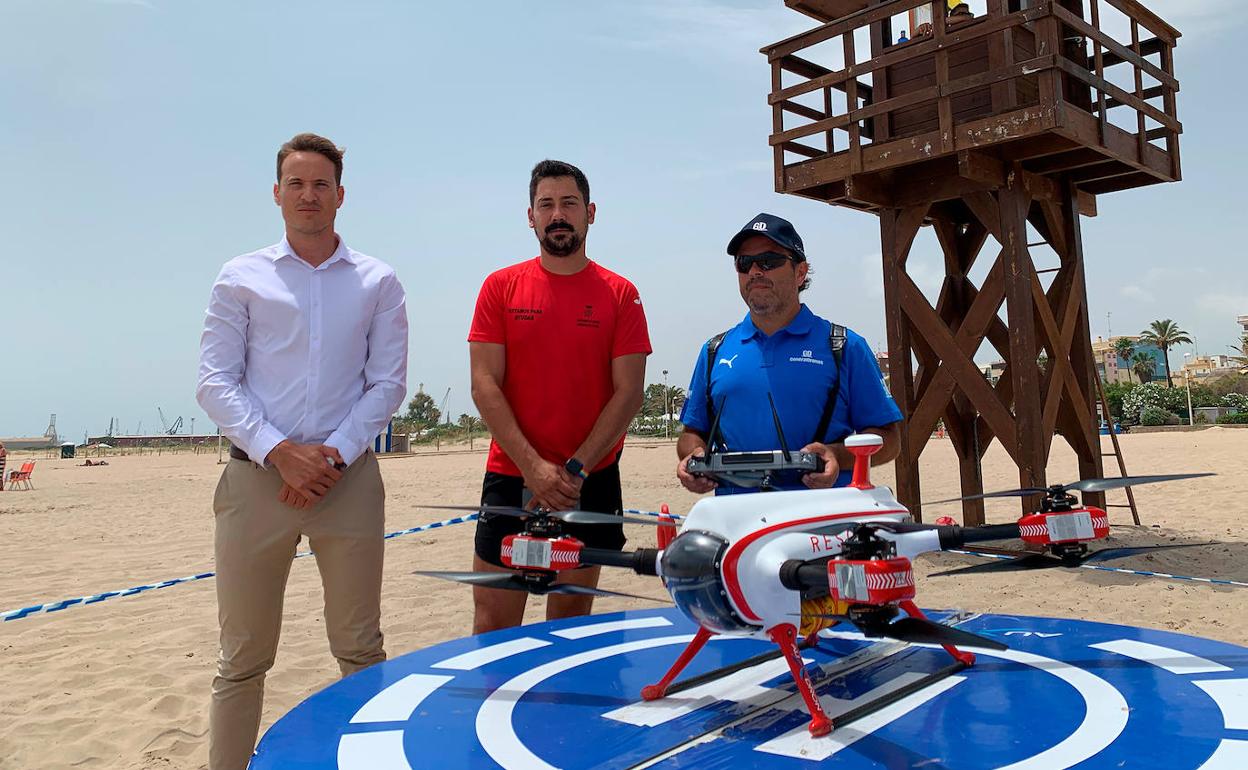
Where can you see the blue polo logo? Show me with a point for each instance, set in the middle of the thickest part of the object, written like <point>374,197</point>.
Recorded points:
<point>565,695</point>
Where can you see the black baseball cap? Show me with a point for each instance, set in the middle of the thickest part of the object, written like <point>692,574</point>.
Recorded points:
<point>780,231</point>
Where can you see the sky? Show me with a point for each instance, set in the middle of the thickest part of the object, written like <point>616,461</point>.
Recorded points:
<point>138,139</point>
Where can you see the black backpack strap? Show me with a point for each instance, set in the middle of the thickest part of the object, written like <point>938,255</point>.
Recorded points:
<point>836,341</point>
<point>712,348</point>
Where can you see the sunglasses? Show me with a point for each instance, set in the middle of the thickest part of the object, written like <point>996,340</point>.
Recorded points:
<point>767,261</point>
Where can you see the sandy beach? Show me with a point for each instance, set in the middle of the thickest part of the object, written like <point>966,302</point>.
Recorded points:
<point>124,683</point>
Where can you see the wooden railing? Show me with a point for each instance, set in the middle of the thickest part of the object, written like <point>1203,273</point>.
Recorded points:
<point>967,70</point>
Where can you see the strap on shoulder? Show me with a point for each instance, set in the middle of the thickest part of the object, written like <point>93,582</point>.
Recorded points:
<point>836,342</point>
<point>712,349</point>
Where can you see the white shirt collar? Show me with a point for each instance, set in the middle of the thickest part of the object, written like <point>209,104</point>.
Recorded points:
<point>283,249</point>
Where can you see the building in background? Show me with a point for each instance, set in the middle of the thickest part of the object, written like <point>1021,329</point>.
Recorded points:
<point>881,360</point>
<point>1208,367</point>
<point>27,442</point>
<point>1113,368</point>
<point>993,371</point>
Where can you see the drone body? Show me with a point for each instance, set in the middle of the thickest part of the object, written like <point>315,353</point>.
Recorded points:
<point>740,542</point>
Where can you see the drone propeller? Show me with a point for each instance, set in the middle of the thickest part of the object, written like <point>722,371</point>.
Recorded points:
<point>512,581</point>
<point>926,632</point>
<point>1028,560</point>
<point>569,517</point>
<point>923,631</point>
<point>1085,485</point>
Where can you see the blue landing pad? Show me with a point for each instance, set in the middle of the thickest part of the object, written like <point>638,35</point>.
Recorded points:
<point>1067,694</point>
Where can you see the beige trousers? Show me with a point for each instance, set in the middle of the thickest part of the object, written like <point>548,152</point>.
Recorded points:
<point>256,537</point>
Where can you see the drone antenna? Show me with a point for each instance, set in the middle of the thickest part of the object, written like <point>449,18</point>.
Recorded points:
<point>719,412</point>
<point>784,447</point>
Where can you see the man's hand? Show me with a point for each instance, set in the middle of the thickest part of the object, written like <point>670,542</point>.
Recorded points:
<point>553,487</point>
<point>697,484</point>
<point>292,498</point>
<point>307,468</point>
<point>826,478</point>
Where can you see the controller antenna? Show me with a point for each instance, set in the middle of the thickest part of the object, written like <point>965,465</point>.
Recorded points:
<point>775,416</point>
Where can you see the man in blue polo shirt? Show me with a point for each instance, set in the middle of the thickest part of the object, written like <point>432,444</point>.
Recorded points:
<point>822,377</point>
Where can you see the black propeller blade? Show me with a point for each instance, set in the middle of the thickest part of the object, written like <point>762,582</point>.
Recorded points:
<point>571,517</point>
<point>1007,493</point>
<point>1100,485</point>
<point>1086,485</point>
<point>512,581</point>
<point>509,580</point>
<point>568,588</point>
<point>1028,560</point>
<point>922,631</point>
<point>926,632</point>
<point>1105,554</point>
<point>1025,561</point>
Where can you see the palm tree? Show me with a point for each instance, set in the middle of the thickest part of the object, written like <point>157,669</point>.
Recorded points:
<point>1144,366</point>
<point>1165,335</point>
<point>1241,360</point>
<point>1124,347</point>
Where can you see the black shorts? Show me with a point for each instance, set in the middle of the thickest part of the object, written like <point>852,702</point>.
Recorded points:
<point>601,493</point>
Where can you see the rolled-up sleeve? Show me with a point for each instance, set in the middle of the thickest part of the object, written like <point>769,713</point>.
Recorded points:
<point>222,360</point>
<point>385,374</point>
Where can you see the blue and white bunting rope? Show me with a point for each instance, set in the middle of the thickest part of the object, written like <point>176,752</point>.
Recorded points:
<point>1120,570</point>
<point>95,598</point>
<point>675,516</point>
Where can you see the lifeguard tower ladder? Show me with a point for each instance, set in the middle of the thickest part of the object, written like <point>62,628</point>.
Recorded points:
<point>980,124</point>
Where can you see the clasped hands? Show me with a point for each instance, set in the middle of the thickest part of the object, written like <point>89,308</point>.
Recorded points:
<point>553,487</point>
<point>308,472</point>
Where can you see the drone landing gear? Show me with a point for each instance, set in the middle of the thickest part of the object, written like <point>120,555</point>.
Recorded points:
<point>656,691</point>
<point>785,637</point>
<point>961,656</point>
<point>666,686</point>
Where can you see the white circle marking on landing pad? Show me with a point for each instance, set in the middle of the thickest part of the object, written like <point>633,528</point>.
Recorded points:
<point>1105,714</point>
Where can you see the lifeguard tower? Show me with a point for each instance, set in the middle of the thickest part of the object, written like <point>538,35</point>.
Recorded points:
<point>1000,119</point>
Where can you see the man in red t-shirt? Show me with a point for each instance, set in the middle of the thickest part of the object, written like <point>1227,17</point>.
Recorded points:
<point>558,348</point>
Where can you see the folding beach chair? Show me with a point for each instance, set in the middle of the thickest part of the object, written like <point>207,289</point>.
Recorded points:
<point>22,476</point>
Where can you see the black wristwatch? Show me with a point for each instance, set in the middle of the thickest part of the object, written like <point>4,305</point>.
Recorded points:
<point>576,468</point>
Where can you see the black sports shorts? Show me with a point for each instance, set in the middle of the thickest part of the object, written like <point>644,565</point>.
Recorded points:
<point>601,492</point>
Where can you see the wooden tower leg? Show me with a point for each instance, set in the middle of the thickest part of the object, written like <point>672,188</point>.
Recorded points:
<point>1030,442</point>
<point>898,227</point>
<point>1091,463</point>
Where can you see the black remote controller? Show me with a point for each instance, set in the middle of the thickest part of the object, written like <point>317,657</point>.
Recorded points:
<point>754,469</point>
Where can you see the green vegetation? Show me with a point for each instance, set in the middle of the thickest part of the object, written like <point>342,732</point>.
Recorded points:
<point>1165,335</point>
<point>1125,348</point>
<point>655,403</point>
<point>1144,367</point>
<point>1114,394</point>
<point>1154,415</point>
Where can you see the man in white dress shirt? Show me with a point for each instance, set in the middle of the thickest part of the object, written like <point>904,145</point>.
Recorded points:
<point>302,362</point>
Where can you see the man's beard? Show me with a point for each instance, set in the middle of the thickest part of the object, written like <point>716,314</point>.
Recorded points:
<point>763,304</point>
<point>570,244</point>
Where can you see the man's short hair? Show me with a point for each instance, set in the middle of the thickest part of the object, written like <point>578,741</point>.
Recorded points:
<point>311,143</point>
<point>552,168</point>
